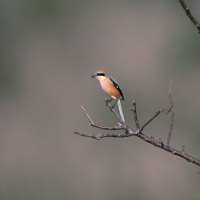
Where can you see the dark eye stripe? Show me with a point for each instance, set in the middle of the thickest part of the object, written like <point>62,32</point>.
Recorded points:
<point>100,74</point>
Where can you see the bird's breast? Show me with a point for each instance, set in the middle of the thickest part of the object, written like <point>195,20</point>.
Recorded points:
<point>109,88</point>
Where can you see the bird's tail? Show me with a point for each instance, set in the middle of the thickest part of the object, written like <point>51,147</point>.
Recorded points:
<point>120,111</point>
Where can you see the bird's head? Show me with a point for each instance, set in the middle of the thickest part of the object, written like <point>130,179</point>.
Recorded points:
<point>99,74</point>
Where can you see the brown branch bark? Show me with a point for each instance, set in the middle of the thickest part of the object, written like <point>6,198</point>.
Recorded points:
<point>189,14</point>
<point>129,132</point>
<point>138,132</point>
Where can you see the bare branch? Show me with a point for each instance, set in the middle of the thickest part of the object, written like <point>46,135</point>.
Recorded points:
<point>189,14</point>
<point>134,109</point>
<point>129,132</point>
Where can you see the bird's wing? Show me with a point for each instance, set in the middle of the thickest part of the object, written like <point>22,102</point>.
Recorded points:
<point>116,85</point>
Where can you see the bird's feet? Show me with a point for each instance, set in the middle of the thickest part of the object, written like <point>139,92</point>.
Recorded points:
<point>107,101</point>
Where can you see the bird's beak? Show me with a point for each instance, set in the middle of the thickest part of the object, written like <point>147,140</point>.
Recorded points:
<point>93,76</point>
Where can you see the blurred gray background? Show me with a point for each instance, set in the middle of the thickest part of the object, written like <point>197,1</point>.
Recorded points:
<point>49,50</point>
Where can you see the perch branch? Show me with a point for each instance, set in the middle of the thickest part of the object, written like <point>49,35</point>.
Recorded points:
<point>189,14</point>
<point>129,132</point>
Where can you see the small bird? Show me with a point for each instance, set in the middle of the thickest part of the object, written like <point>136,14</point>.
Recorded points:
<point>110,86</point>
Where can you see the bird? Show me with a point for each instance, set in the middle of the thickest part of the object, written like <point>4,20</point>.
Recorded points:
<point>111,87</point>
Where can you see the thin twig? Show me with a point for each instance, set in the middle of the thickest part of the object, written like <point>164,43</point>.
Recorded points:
<point>91,122</point>
<point>87,115</point>
<point>134,109</point>
<point>189,14</point>
<point>171,104</point>
<point>151,119</point>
